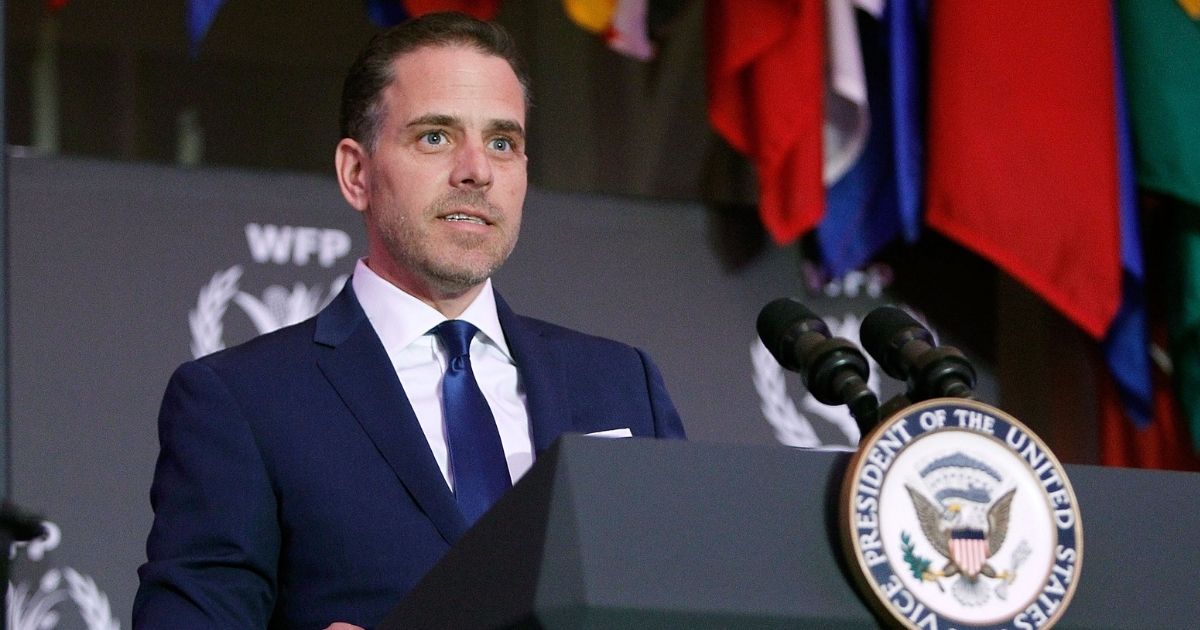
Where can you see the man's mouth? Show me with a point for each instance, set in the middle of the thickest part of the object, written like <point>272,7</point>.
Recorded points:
<point>459,216</point>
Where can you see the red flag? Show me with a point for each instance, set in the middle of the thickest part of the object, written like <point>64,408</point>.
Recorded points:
<point>766,83</point>
<point>1023,146</point>
<point>1162,444</point>
<point>479,9</point>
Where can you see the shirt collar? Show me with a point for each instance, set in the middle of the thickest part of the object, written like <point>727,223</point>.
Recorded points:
<point>401,319</point>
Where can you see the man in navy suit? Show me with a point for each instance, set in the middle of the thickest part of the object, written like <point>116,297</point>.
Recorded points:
<point>311,476</point>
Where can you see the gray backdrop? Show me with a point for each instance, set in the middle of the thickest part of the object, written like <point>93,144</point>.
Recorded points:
<point>122,271</point>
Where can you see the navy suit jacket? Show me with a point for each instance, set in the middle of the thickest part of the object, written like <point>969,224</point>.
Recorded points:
<point>295,487</point>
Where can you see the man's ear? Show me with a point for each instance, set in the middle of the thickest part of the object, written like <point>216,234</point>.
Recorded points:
<point>350,161</point>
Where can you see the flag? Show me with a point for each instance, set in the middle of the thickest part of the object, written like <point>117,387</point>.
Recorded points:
<point>1182,271</point>
<point>1161,55</point>
<point>847,114</point>
<point>1126,345</point>
<point>591,15</point>
<point>879,198</point>
<point>386,13</point>
<point>907,33</point>
<point>1162,444</point>
<point>628,33</point>
<point>622,23</point>
<point>1160,45</point>
<point>1023,147</point>
<point>392,12</point>
<point>765,73</point>
<point>478,9</point>
<point>200,16</point>
<point>1192,7</point>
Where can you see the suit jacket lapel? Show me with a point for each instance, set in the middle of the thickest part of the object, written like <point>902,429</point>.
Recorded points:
<point>541,374</point>
<point>357,366</point>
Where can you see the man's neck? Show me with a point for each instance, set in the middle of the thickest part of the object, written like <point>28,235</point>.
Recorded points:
<point>447,302</point>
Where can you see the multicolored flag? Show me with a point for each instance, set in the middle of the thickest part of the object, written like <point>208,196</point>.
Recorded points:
<point>1160,46</point>
<point>624,24</point>
<point>879,198</point>
<point>847,112</point>
<point>392,12</point>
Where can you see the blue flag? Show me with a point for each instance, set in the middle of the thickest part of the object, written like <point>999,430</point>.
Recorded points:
<point>200,16</point>
<point>879,198</point>
<point>386,13</point>
<point>1127,344</point>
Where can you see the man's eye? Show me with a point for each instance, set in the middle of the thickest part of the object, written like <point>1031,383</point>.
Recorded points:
<point>502,144</point>
<point>434,137</point>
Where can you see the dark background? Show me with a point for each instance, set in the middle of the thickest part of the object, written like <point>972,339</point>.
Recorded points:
<point>639,226</point>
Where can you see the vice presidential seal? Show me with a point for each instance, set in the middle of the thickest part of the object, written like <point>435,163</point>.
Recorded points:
<point>957,516</point>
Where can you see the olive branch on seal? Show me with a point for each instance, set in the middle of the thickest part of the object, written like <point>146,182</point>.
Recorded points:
<point>917,564</point>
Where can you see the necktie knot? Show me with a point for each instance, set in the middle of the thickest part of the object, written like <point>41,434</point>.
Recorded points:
<point>456,336</point>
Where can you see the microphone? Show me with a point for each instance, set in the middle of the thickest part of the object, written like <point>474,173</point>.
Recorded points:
<point>833,369</point>
<point>906,351</point>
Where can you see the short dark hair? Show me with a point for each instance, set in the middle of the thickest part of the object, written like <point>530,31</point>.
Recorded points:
<point>371,73</point>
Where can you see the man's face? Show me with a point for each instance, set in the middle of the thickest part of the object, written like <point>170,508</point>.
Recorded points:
<point>446,181</point>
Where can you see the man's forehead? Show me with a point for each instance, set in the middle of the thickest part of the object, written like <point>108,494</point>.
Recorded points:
<point>439,80</point>
<point>442,53</point>
<point>415,56</point>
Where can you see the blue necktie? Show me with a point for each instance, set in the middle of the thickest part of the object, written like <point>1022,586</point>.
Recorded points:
<point>476,454</point>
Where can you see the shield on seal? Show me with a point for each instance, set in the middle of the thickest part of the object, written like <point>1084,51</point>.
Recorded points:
<point>969,550</point>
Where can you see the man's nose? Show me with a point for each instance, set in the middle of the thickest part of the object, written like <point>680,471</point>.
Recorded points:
<point>472,167</point>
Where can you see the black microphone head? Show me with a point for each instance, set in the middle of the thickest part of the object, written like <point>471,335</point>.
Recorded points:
<point>780,324</point>
<point>885,331</point>
<point>834,371</point>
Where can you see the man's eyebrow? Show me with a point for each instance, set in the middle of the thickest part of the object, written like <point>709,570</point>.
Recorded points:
<point>506,126</point>
<point>435,120</point>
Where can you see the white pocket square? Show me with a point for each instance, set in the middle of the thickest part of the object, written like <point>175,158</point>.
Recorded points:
<point>612,433</point>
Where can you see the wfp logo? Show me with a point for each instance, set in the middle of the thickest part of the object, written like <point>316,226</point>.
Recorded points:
<point>277,306</point>
<point>281,244</point>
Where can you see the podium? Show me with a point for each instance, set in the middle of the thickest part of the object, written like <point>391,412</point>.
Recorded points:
<point>635,533</point>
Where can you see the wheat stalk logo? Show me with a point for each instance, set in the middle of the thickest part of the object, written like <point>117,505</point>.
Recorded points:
<point>213,301</point>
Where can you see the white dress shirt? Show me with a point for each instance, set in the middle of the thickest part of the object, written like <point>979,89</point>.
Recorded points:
<point>405,326</point>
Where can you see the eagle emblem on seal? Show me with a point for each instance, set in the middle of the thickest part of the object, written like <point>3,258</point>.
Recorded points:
<point>963,523</point>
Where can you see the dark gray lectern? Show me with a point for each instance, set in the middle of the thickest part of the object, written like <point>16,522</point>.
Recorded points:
<point>635,533</point>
